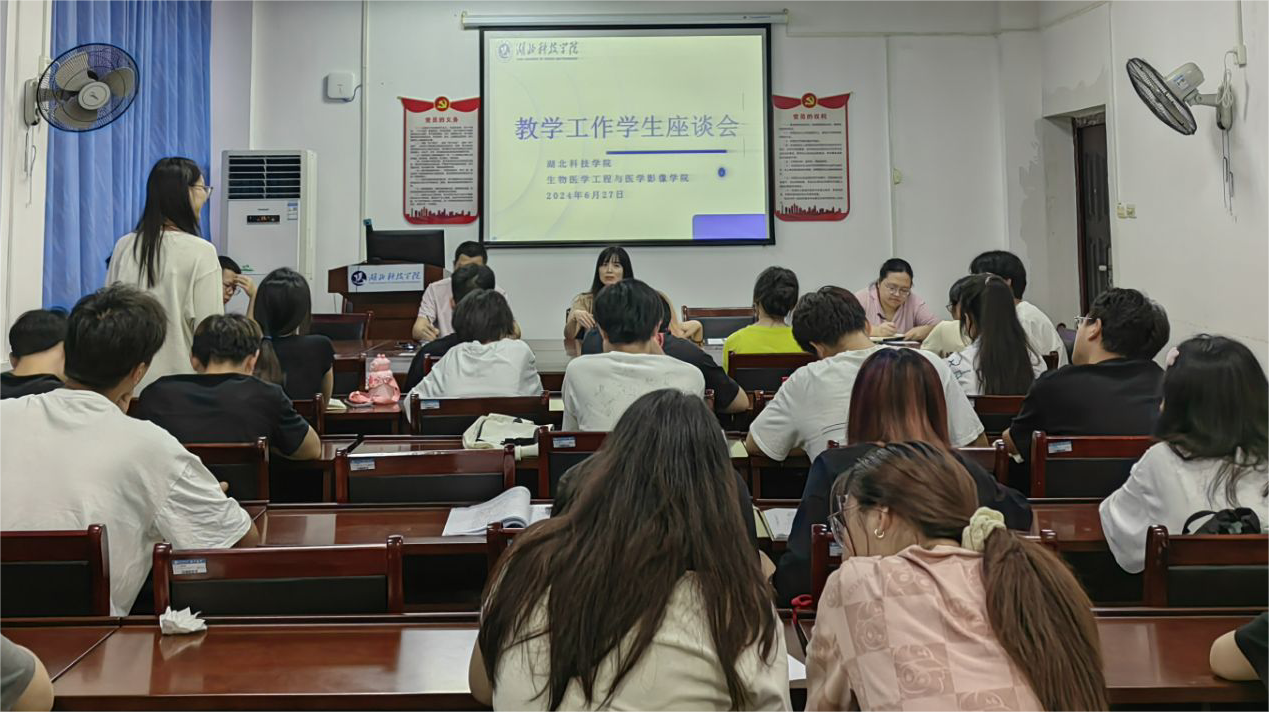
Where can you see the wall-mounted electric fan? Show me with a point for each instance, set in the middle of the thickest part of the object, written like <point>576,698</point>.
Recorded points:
<point>1171,97</point>
<point>85,88</point>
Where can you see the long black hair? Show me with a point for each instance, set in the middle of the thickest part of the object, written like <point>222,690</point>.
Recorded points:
<point>988,315</point>
<point>605,569</point>
<point>627,270</point>
<point>284,306</point>
<point>167,202</point>
<point>1216,406</point>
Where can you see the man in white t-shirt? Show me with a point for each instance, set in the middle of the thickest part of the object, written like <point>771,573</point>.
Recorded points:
<point>72,457</point>
<point>599,387</point>
<point>1040,330</point>
<point>436,308</point>
<point>811,407</point>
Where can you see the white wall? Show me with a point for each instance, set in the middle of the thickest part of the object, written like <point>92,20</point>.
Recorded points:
<point>25,29</point>
<point>231,47</point>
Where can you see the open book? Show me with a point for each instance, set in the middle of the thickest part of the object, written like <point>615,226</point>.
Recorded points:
<point>778,522</point>
<point>511,508</point>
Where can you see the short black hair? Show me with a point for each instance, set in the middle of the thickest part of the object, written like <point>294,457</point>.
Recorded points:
<point>229,264</point>
<point>110,332</point>
<point>35,331</point>
<point>225,337</point>
<point>469,278</point>
<point>776,291</point>
<point>629,311</point>
<point>958,288</point>
<point>892,265</point>
<point>483,316</point>
<point>825,316</point>
<point>471,249</point>
<point>1002,264</point>
<point>1133,325</point>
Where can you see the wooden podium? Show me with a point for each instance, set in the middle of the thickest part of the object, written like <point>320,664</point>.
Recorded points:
<point>395,312</point>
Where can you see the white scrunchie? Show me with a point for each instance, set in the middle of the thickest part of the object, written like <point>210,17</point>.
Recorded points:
<point>985,519</point>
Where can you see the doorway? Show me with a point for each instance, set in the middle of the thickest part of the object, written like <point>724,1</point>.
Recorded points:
<point>1093,196</point>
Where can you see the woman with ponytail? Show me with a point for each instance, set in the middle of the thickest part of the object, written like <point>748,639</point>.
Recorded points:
<point>999,360</point>
<point>165,257</point>
<point>938,606</point>
<point>300,362</point>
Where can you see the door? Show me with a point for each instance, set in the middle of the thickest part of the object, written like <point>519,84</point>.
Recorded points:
<point>1094,208</point>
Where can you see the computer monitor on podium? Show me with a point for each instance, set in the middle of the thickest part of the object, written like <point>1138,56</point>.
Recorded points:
<point>415,246</point>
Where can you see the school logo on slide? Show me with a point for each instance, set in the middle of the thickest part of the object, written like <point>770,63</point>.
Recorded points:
<point>358,278</point>
<point>504,51</point>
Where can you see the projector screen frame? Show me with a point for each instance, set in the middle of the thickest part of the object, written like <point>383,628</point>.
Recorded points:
<point>768,139</point>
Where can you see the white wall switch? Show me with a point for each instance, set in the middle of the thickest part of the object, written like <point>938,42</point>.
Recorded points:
<point>339,85</point>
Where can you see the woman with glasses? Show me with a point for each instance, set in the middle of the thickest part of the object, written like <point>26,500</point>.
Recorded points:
<point>891,306</point>
<point>937,605</point>
<point>165,256</point>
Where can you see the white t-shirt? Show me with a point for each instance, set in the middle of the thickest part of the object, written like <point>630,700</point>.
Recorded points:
<point>71,458</point>
<point>812,407</point>
<point>599,387</point>
<point>1040,330</point>
<point>188,287</point>
<point>1164,489</point>
<point>679,670</point>
<point>475,370</point>
<point>964,367</point>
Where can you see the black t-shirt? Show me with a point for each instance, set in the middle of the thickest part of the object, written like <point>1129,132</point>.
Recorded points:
<point>12,386</point>
<point>305,361</point>
<point>716,379</point>
<point>1253,641</point>
<point>435,347</point>
<point>793,574</point>
<point>1116,397</point>
<point>222,408</point>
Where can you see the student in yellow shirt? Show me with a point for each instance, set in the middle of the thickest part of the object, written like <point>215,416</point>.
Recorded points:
<point>774,296</point>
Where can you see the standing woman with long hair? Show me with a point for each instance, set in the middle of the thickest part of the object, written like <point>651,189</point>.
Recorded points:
<point>302,363</point>
<point>645,593</point>
<point>165,257</point>
<point>938,606</point>
<point>999,360</point>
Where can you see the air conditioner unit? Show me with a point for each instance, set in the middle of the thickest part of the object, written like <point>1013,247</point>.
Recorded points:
<point>270,210</point>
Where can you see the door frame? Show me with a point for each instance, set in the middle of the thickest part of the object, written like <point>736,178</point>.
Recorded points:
<point>1077,123</point>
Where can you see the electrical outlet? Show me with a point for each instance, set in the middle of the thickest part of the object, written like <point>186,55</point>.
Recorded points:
<point>1131,210</point>
<point>1121,211</point>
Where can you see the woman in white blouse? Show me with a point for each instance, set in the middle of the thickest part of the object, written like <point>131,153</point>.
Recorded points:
<point>1000,360</point>
<point>490,361</point>
<point>165,257</point>
<point>1213,452</point>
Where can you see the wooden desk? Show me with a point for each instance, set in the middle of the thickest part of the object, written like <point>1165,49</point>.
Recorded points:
<point>59,647</point>
<point>327,525</point>
<point>319,666</point>
<point>1078,525</point>
<point>341,422</point>
<point>294,476</point>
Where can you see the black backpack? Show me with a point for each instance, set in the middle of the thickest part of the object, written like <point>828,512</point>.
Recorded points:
<point>1239,520</point>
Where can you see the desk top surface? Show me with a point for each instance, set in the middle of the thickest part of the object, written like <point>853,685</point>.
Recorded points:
<point>552,355</point>
<point>420,527</point>
<point>1078,525</point>
<point>58,647</point>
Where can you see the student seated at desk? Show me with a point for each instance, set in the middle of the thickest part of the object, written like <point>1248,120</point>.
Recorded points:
<point>222,402</point>
<point>774,296</point>
<point>891,306</point>
<point>232,279</point>
<point>72,458</point>
<point>897,397</point>
<point>613,266</point>
<point>26,685</point>
<point>466,280</point>
<point>937,605</point>
<point>599,387</point>
<point>811,407</point>
<point>35,350</point>
<point>947,337</point>
<point>1001,360</point>
<point>436,308</point>
<point>1040,330</point>
<point>1243,654</point>
<point>491,363</point>
<point>1113,386</point>
<point>302,363</point>
<point>644,593</point>
<point>1213,452</point>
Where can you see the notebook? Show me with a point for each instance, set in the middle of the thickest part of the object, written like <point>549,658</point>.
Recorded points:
<point>512,509</point>
<point>779,521</point>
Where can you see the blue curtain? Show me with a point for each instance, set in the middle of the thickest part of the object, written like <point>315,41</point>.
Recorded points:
<point>96,180</point>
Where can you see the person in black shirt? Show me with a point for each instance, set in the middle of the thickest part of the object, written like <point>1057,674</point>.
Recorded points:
<point>302,363</point>
<point>466,280</point>
<point>1112,387</point>
<point>35,340</point>
<point>1243,653</point>
<point>897,397</point>
<point>223,402</point>
<point>729,397</point>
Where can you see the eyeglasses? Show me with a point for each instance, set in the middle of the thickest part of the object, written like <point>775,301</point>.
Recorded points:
<point>837,520</point>
<point>206,188</point>
<point>897,291</point>
<point>1081,321</point>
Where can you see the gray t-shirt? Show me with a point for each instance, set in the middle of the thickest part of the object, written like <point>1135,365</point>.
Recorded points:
<point>17,666</point>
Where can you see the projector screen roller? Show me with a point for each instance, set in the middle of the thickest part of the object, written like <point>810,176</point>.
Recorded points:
<point>632,136</point>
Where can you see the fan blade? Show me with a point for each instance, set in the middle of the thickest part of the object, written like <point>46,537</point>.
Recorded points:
<point>72,73</point>
<point>72,114</point>
<point>122,82</point>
